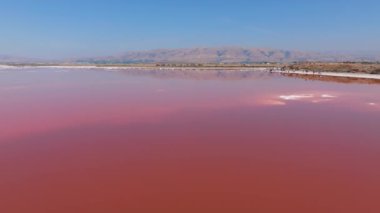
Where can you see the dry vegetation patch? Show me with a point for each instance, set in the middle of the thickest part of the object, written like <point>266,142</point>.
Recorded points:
<point>368,68</point>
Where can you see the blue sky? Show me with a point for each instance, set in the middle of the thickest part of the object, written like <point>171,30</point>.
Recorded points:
<point>72,28</point>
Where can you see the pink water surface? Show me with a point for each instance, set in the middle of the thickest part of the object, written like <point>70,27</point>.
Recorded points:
<point>130,141</point>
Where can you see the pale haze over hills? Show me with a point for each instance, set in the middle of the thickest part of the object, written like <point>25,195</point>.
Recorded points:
<point>226,55</point>
<point>209,55</point>
<point>15,59</point>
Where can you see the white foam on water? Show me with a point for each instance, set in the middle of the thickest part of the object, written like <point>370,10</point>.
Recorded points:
<point>327,96</point>
<point>295,97</point>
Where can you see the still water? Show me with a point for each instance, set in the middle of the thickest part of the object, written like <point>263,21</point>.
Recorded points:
<point>187,141</point>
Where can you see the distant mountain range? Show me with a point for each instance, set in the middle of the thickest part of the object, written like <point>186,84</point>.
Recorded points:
<point>12,59</point>
<point>226,55</point>
<point>209,55</point>
<point>6,59</point>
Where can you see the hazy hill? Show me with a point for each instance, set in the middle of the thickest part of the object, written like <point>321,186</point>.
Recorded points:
<point>225,55</point>
<point>5,59</point>
<point>207,55</point>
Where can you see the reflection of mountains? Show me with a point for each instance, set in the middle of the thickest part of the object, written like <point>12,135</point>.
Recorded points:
<point>334,79</point>
<point>238,75</point>
<point>200,74</point>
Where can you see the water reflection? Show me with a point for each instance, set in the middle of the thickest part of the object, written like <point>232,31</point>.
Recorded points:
<point>199,74</point>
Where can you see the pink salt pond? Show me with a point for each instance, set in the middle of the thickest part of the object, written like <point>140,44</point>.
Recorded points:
<point>165,141</point>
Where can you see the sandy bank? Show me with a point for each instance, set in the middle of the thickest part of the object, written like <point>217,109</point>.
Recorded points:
<point>332,74</point>
<point>233,69</point>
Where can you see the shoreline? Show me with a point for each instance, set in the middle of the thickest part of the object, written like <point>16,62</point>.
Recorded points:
<point>274,69</point>
<point>330,74</point>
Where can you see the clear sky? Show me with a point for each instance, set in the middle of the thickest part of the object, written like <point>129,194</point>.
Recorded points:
<point>71,28</point>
